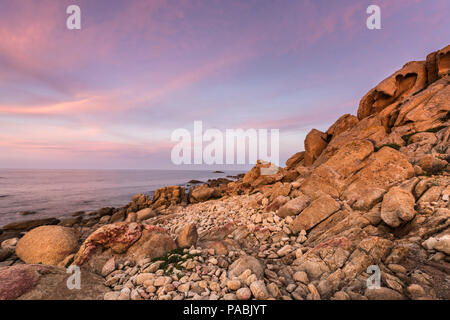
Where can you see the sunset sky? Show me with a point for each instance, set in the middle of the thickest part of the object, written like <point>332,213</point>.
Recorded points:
<point>110,95</point>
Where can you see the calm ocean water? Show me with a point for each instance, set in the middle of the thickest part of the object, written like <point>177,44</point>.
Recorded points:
<point>59,193</point>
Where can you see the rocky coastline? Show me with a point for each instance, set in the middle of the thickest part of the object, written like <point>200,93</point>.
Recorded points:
<point>373,190</point>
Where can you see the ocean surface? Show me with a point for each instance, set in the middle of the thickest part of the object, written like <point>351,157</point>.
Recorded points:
<point>59,193</point>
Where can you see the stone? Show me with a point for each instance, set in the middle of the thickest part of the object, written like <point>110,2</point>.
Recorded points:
<point>383,294</point>
<point>416,291</point>
<point>316,212</point>
<point>259,290</point>
<point>233,284</point>
<point>294,206</point>
<point>246,262</point>
<point>441,243</point>
<point>201,193</point>
<point>109,267</point>
<point>10,243</point>
<point>47,245</point>
<point>168,196</point>
<point>112,295</point>
<point>243,294</point>
<point>301,276</point>
<point>184,288</point>
<point>315,143</point>
<point>145,214</point>
<point>188,236</point>
<point>295,160</point>
<point>343,124</point>
<point>397,207</point>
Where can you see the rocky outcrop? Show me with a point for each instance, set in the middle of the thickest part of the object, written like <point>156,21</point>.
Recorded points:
<point>168,196</point>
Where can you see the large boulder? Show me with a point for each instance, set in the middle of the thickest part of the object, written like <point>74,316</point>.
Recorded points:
<point>125,241</point>
<point>188,236</point>
<point>41,282</point>
<point>344,123</point>
<point>47,245</point>
<point>397,207</point>
<point>315,143</point>
<point>295,160</point>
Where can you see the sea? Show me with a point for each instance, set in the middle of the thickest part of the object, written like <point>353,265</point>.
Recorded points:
<point>60,193</point>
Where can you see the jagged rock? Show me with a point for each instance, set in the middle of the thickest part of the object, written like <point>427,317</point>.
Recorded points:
<point>410,79</point>
<point>47,245</point>
<point>168,196</point>
<point>397,207</point>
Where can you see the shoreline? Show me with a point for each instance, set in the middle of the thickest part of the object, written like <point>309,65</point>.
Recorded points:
<point>16,228</point>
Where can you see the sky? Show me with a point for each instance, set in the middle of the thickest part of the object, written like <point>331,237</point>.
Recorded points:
<point>110,95</point>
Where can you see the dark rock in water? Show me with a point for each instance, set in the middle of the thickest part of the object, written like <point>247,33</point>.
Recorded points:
<point>5,254</point>
<point>30,224</point>
<point>218,182</point>
<point>5,235</point>
<point>41,282</point>
<point>106,212</point>
<point>70,222</point>
<point>218,171</point>
<point>78,213</point>
<point>90,221</point>
<point>195,182</point>
<point>118,216</point>
<point>26,213</point>
<point>239,176</point>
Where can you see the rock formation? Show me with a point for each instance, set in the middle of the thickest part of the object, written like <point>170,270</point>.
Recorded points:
<point>371,192</point>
